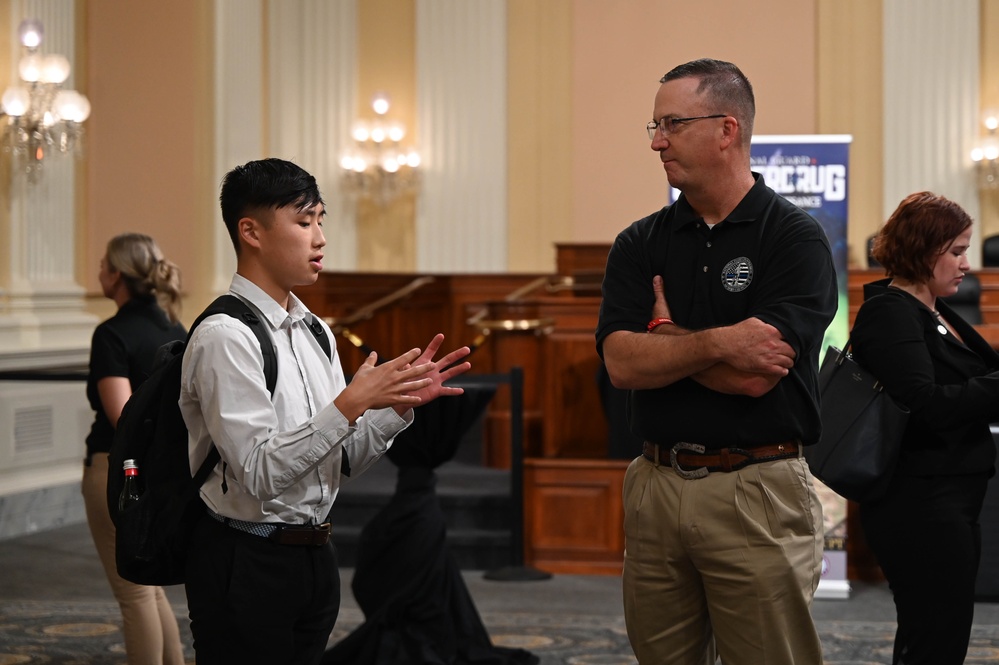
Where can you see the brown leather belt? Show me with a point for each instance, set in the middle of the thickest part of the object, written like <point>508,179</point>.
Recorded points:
<point>306,535</point>
<point>302,535</point>
<point>691,460</point>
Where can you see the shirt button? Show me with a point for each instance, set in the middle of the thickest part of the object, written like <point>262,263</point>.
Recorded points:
<point>705,268</point>
<point>708,243</point>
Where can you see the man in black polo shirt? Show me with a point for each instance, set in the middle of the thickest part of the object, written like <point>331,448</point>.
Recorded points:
<point>713,314</point>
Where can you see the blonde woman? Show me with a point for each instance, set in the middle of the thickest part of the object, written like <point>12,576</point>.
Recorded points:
<point>146,289</point>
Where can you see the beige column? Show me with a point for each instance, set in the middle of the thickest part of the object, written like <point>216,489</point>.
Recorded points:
<point>284,85</point>
<point>849,101</point>
<point>42,317</point>
<point>539,137</point>
<point>461,221</point>
<point>311,82</point>
<point>931,107</point>
<point>385,62</point>
<point>989,44</point>
<point>239,102</point>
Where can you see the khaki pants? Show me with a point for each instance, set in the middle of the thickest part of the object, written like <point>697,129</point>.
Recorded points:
<point>728,562</point>
<point>151,633</point>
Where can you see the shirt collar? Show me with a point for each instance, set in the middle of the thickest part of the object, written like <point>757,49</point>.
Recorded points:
<point>146,306</point>
<point>266,305</point>
<point>139,302</point>
<point>748,209</point>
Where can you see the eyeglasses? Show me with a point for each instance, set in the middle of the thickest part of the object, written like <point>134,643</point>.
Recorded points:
<point>667,126</point>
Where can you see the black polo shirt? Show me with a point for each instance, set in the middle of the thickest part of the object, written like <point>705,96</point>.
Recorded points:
<point>768,259</point>
<point>125,345</point>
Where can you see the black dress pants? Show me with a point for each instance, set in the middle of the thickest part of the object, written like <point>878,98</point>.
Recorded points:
<point>255,601</point>
<point>926,537</point>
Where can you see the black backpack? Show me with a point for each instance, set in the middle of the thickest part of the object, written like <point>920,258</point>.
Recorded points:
<point>153,534</point>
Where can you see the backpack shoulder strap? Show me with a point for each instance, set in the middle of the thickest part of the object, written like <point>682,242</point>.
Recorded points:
<point>319,333</point>
<point>237,309</point>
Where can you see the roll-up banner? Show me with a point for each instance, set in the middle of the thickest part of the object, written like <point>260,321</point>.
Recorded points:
<point>811,171</point>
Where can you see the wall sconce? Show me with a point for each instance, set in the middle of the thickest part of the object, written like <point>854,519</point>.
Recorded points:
<point>379,168</point>
<point>38,116</point>
<point>986,153</point>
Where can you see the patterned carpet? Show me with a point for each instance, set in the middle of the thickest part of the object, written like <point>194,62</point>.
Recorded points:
<point>88,633</point>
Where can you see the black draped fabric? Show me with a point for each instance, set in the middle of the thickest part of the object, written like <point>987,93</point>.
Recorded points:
<point>417,608</point>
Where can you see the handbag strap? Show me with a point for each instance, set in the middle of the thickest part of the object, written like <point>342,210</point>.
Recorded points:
<point>845,353</point>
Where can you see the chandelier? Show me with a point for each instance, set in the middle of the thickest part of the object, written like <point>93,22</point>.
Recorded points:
<point>378,167</point>
<point>40,117</point>
<point>986,153</point>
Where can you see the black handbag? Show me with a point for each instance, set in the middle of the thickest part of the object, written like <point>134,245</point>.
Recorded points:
<point>862,429</point>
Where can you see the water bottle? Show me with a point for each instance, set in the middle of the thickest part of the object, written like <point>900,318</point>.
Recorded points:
<point>130,492</point>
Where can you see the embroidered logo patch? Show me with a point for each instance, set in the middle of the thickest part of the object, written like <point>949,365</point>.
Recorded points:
<point>737,274</point>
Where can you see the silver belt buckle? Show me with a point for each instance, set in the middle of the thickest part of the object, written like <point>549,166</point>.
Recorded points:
<point>699,472</point>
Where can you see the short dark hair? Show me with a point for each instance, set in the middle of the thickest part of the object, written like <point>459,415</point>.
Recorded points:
<point>921,229</point>
<point>726,87</point>
<point>265,184</point>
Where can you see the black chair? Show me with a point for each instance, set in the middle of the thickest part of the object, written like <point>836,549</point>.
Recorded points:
<point>968,300</point>
<point>990,252</point>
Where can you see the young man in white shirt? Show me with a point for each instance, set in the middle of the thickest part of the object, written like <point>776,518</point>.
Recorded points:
<point>262,581</point>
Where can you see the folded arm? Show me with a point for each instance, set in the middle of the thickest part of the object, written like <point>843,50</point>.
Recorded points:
<point>747,358</point>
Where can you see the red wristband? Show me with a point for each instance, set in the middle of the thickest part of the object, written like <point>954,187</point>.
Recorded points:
<point>662,321</point>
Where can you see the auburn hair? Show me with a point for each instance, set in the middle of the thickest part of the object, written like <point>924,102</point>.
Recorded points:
<point>921,229</point>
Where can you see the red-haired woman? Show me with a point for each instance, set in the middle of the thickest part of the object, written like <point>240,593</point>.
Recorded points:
<point>925,531</point>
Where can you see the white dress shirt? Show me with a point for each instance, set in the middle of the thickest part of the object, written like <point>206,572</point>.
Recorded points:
<point>281,456</point>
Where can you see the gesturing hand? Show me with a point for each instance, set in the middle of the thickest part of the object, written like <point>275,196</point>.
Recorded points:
<point>393,383</point>
<point>404,382</point>
<point>436,388</point>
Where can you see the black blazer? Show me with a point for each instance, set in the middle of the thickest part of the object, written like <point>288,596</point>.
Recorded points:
<point>951,388</point>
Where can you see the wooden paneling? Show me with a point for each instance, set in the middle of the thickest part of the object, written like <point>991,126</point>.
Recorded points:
<point>512,320</point>
<point>563,416</point>
<point>575,425</point>
<point>572,515</point>
<point>580,257</point>
<point>515,348</point>
<point>443,303</point>
<point>861,564</point>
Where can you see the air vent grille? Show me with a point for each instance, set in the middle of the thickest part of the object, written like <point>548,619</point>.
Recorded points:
<point>33,429</point>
